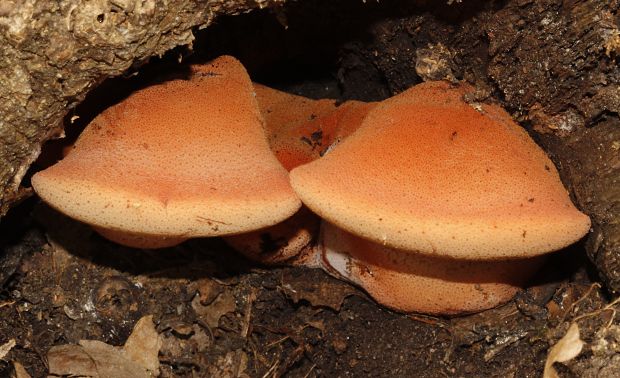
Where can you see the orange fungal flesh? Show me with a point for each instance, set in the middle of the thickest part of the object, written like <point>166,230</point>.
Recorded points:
<point>305,142</point>
<point>282,110</point>
<point>428,173</point>
<point>181,159</point>
<point>416,283</point>
<point>300,129</point>
<point>279,243</point>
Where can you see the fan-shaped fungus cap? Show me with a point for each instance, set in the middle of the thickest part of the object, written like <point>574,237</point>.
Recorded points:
<point>305,142</point>
<point>417,283</point>
<point>428,173</point>
<point>282,110</point>
<point>182,159</point>
<point>301,129</point>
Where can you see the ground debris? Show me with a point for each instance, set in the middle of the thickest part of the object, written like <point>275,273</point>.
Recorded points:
<point>566,349</point>
<point>20,371</point>
<point>319,292</point>
<point>92,358</point>
<point>6,348</point>
<point>232,365</point>
<point>212,311</point>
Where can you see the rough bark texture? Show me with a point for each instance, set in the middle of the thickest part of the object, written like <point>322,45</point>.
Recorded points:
<point>53,52</point>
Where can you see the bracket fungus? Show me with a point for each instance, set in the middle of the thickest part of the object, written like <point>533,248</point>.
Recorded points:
<point>422,196</point>
<point>428,178</point>
<point>299,130</point>
<point>182,159</point>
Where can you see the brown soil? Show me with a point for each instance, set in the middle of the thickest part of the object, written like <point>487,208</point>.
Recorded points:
<point>217,312</point>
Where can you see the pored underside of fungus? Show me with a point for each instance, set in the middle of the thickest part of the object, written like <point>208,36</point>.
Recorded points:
<point>410,282</point>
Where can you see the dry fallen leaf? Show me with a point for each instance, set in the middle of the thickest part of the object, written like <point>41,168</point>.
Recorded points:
<point>143,345</point>
<point>96,359</point>
<point>315,287</point>
<point>6,348</point>
<point>223,304</point>
<point>112,362</point>
<point>208,289</point>
<point>70,360</point>
<point>567,348</point>
<point>20,371</point>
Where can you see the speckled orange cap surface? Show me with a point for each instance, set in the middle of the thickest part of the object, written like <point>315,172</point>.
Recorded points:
<point>428,173</point>
<point>294,124</point>
<point>185,158</point>
<point>300,129</point>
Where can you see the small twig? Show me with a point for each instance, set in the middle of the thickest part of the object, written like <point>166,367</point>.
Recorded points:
<point>209,221</point>
<point>310,371</point>
<point>258,358</point>
<point>279,341</point>
<point>291,360</point>
<point>273,368</point>
<point>608,307</point>
<point>245,330</point>
<point>7,303</point>
<point>431,320</point>
<point>223,283</point>
<point>514,312</point>
<point>581,299</point>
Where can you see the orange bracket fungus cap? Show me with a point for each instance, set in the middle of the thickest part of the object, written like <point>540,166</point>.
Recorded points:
<point>182,159</point>
<point>282,110</point>
<point>431,197</point>
<point>426,172</point>
<point>301,129</point>
<point>308,141</point>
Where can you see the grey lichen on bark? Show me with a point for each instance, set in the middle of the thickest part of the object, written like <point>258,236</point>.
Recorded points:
<point>53,52</point>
